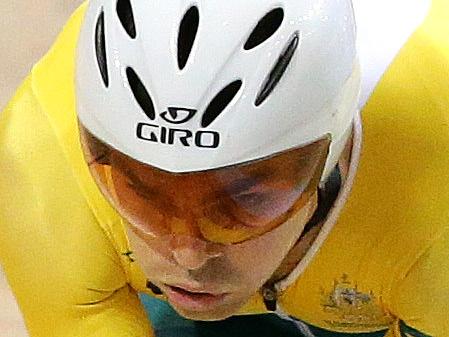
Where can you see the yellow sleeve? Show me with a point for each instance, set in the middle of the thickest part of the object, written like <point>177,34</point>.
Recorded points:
<point>66,274</point>
<point>421,300</point>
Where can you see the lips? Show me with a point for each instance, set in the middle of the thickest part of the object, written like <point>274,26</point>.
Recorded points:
<point>193,299</point>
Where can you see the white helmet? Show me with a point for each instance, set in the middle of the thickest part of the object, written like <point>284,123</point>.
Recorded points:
<point>195,85</point>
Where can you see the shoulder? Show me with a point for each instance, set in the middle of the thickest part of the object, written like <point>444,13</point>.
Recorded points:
<point>402,180</point>
<point>51,245</point>
<point>421,299</point>
<point>396,215</point>
<point>49,230</point>
<point>53,75</point>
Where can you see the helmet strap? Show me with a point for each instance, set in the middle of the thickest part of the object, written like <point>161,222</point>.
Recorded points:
<point>326,199</point>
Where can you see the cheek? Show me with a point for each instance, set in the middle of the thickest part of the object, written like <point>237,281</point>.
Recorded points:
<point>145,254</point>
<point>258,259</point>
<point>255,261</point>
<point>153,258</point>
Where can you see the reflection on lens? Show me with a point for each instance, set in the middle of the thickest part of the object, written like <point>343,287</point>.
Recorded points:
<point>225,205</point>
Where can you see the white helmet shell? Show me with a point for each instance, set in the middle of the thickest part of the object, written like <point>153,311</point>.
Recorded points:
<point>196,85</point>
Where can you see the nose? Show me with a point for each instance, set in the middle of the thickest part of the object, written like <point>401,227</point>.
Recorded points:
<point>192,253</point>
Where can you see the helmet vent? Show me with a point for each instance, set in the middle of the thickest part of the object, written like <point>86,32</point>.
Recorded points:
<point>125,14</point>
<point>266,28</point>
<point>100,49</point>
<point>141,94</point>
<point>220,102</point>
<point>187,34</point>
<point>278,71</point>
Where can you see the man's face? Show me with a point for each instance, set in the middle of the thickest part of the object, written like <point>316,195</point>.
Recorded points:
<point>234,273</point>
<point>205,280</point>
<point>210,240</point>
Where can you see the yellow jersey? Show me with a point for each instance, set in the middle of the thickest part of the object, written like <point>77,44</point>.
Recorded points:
<point>383,267</point>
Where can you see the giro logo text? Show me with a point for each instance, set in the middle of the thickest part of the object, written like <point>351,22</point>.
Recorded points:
<point>171,136</point>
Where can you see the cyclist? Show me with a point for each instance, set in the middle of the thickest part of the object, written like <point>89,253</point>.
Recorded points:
<point>205,156</point>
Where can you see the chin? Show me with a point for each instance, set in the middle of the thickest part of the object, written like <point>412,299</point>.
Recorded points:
<point>217,314</point>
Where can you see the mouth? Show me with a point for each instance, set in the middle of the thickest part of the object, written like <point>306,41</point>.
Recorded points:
<point>193,299</point>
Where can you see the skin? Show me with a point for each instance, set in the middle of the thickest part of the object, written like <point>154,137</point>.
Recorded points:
<point>238,269</point>
<point>186,258</point>
<point>182,256</point>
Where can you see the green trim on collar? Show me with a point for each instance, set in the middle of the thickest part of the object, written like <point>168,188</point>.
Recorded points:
<point>407,331</point>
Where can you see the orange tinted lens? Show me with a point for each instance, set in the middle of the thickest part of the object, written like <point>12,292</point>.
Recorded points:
<point>262,195</point>
<point>226,205</point>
